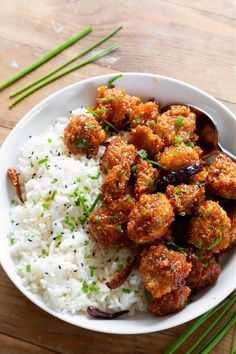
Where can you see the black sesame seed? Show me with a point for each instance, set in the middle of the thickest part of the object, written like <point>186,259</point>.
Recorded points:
<point>46,273</point>
<point>29,240</point>
<point>76,270</point>
<point>82,264</point>
<point>59,267</point>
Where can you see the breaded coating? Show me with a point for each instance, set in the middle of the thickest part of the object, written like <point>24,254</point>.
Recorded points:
<point>118,152</point>
<point>145,114</point>
<point>116,106</point>
<point>146,175</point>
<point>172,302</point>
<point>83,134</point>
<point>114,185</point>
<point>108,224</point>
<point>205,269</point>
<point>144,138</point>
<point>177,125</point>
<point>185,198</point>
<point>150,218</point>
<point>232,216</point>
<point>177,157</point>
<point>163,270</point>
<point>209,228</point>
<point>221,178</point>
<point>200,177</point>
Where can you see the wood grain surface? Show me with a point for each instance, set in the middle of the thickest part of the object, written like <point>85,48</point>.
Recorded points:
<point>189,40</point>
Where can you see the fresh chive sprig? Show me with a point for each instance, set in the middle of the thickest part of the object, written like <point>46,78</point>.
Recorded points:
<point>47,81</point>
<point>212,325</point>
<point>81,54</point>
<point>201,319</point>
<point>221,332</point>
<point>46,57</point>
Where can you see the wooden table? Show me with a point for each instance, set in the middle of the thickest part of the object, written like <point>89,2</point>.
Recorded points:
<point>188,40</point>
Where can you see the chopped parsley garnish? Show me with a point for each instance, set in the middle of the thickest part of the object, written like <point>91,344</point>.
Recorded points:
<point>113,79</point>
<point>180,121</point>
<point>82,143</point>
<point>126,290</point>
<point>28,268</point>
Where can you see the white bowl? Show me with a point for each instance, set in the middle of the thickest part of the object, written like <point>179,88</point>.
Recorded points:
<point>166,90</point>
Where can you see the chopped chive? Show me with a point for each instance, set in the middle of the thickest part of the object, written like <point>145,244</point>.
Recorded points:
<point>119,228</point>
<point>233,345</point>
<point>94,287</point>
<point>92,269</point>
<point>45,206</point>
<point>81,54</point>
<point>40,162</point>
<point>97,218</point>
<point>28,268</point>
<point>85,287</point>
<point>173,244</point>
<point>47,81</point>
<point>215,243</point>
<point>113,79</point>
<point>178,140</point>
<point>190,143</point>
<point>134,169</point>
<point>126,290</point>
<point>107,99</point>
<point>49,140</point>
<point>182,213</point>
<point>53,180</point>
<point>137,120</point>
<point>110,125</point>
<point>46,57</point>
<point>12,241</point>
<point>53,195</point>
<point>91,208</point>
<point>95,176</point>
<point>153,123</point>
<point>87,256</point>
<point>44,252</point>
<point>120,267</point>
<point>154,162</point>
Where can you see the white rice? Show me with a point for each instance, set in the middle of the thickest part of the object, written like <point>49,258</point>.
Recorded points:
<point>54,254</point>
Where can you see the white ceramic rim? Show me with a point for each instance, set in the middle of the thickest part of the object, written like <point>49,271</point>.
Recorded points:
<point>94,324</point>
